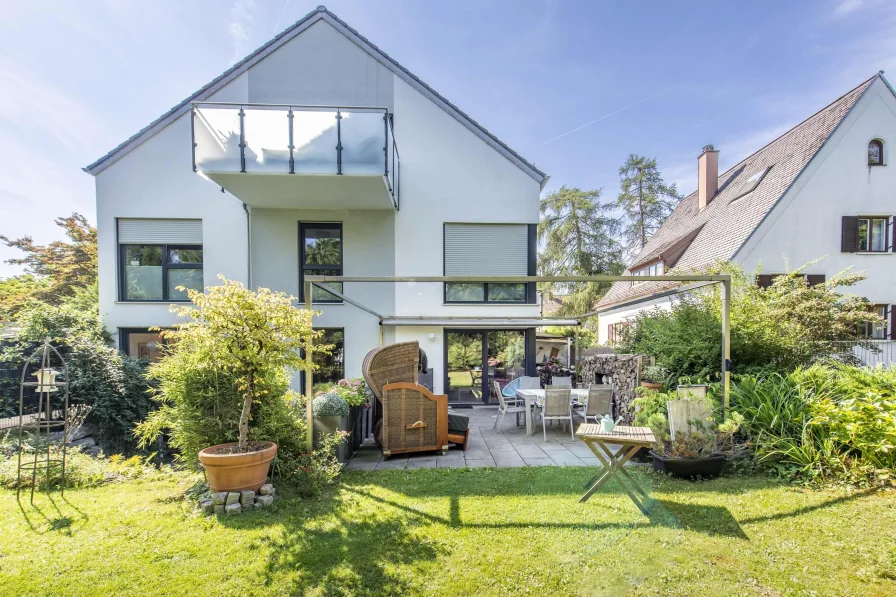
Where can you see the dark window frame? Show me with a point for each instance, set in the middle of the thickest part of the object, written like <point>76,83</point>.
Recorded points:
<point>530,295</point>
<point>303,226</point>
<point>314,379</point>
<point>880,149</point>
<point>166,265</point>
<point>887,248</point>
<point>124,336</point>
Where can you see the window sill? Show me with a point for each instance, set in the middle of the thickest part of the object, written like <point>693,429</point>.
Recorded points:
<point>168,302</point>
<point>874,253</point>
<point>487,304</point>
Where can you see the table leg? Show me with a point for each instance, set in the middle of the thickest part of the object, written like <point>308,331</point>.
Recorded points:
<point>530,414</point>
<point>612,467</point>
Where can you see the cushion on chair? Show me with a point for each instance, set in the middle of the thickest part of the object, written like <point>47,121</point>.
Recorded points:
<point>457,423</point>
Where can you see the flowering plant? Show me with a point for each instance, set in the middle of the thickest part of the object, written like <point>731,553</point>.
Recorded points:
<point>353,391</point>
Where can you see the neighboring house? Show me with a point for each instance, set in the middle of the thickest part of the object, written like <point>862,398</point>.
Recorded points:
<point>825,188</point>
<point>320,154</point>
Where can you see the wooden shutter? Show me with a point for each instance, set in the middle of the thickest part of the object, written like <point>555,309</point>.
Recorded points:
<point>849,234</point>
<point>159,232</point>
<point>764,280</point>
<point>892,322</point>
<point>815,279</point>
<point>486,250</point>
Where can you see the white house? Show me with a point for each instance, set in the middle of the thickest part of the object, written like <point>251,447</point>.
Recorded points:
<point>825,188</point>
<point>319,153</point>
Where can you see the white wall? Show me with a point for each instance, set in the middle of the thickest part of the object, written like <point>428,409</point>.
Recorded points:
<point>156,180</point>
<point>448,174</point>
<point>806,223</point>
<point>368,249</point>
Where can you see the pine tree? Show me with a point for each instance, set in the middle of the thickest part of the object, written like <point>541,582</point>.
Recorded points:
<point>645,199</point>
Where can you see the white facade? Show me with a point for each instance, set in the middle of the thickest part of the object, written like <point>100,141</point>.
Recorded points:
<point>449,173</point>
<point>805,224</point>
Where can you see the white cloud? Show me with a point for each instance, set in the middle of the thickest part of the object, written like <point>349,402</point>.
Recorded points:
<point>847,6</point>
<point>241,20</point>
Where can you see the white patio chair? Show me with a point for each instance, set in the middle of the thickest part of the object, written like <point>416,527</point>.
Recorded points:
<point>556,407</point>
<point>530,383</point>
<point>598,402</point>
<point>561,382</point>
<point>508,405</point>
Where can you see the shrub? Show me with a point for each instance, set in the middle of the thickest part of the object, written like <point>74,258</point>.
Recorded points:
<point>779,328</point>
<point>655,374</point>
<point>353,391</point>
<point>330,405</point>
<point>825,423</point>
<point>100,376</point>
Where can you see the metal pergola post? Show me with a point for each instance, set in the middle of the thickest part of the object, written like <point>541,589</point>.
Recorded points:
<point>723,279</point>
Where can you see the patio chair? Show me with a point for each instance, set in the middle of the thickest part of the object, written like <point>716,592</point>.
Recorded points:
<point>598,402</point>
<point>530,383</point>
<point>508,405</point>
<point>396,365</point>
<point>556,407</point>
<point>561,382</point>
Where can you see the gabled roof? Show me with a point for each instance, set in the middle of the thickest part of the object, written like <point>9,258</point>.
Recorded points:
<point>319,14</point>
<point>719,231</point>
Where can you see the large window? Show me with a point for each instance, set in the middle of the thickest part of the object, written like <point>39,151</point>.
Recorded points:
<point>156,257</point>
<point>489,250</point>
<point>320,247</point>
<point>160,272</point>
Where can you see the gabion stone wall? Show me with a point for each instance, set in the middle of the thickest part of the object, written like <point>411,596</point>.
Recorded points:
<point>626,372</point>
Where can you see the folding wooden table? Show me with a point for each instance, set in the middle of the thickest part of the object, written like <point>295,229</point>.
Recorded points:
<point>629,440</point>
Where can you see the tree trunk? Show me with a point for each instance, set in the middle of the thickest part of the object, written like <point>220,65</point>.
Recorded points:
<point>244,416</point>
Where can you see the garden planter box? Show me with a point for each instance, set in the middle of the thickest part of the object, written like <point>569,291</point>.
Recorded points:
<point>686,468</point>
<point>325,425</point>
<point>651,386</point>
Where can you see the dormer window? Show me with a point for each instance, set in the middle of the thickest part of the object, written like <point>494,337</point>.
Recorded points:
<point>654,269</point>
<point>876,153</point>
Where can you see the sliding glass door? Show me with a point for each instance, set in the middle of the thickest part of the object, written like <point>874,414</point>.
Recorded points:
<point>478,358</point>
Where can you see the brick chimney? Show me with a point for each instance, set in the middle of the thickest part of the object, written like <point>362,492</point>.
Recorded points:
<point>707,175</point>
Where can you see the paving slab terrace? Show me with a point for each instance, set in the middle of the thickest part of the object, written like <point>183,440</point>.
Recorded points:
<point>506,447</point>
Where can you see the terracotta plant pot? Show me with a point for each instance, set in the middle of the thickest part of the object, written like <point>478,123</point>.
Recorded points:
<point>651,386</point>
<point>237,471</point>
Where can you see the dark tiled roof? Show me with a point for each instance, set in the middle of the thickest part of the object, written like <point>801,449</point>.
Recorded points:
<point>726,223</point>
<point>320,12</point>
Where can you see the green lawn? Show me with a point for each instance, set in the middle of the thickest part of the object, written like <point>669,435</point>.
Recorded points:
<point>454,532</point>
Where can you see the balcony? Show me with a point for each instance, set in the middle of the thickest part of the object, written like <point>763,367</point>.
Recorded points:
<point>300,157</point>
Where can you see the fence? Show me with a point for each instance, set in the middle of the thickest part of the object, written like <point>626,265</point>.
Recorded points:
<point>871,353</point>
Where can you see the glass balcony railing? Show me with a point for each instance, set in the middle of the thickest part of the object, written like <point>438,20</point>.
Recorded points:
<point>303,140</point>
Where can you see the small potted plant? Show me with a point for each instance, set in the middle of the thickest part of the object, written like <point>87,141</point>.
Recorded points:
<point>698,453</point>
<point>653,377</point>
<point>330,415</point>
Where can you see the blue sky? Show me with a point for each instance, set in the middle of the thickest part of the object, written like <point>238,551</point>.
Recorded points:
<point>573,86</point>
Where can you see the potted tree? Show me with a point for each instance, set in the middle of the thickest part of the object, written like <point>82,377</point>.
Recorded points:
<point>234,356</point>
<point>653,377</point>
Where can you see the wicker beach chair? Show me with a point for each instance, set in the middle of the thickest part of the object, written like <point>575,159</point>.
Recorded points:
<point>413,418</point>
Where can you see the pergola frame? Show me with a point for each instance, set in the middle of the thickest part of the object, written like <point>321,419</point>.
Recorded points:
<point>311,281</point>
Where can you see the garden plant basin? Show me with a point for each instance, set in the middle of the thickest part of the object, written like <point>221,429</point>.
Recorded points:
<point>688,468</point>
<point>237,471</point>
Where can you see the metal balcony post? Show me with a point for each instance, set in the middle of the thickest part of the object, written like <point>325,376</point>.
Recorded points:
<point>292,161</point>
<point>386,142</point>
<point>338,141</point>
<point>242,140</point>
<point>193,135</point>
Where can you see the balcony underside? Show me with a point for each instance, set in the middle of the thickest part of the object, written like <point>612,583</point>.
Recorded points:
<point>303,191</point>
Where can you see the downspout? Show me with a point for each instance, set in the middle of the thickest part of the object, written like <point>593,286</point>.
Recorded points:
<point>248,247</point>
